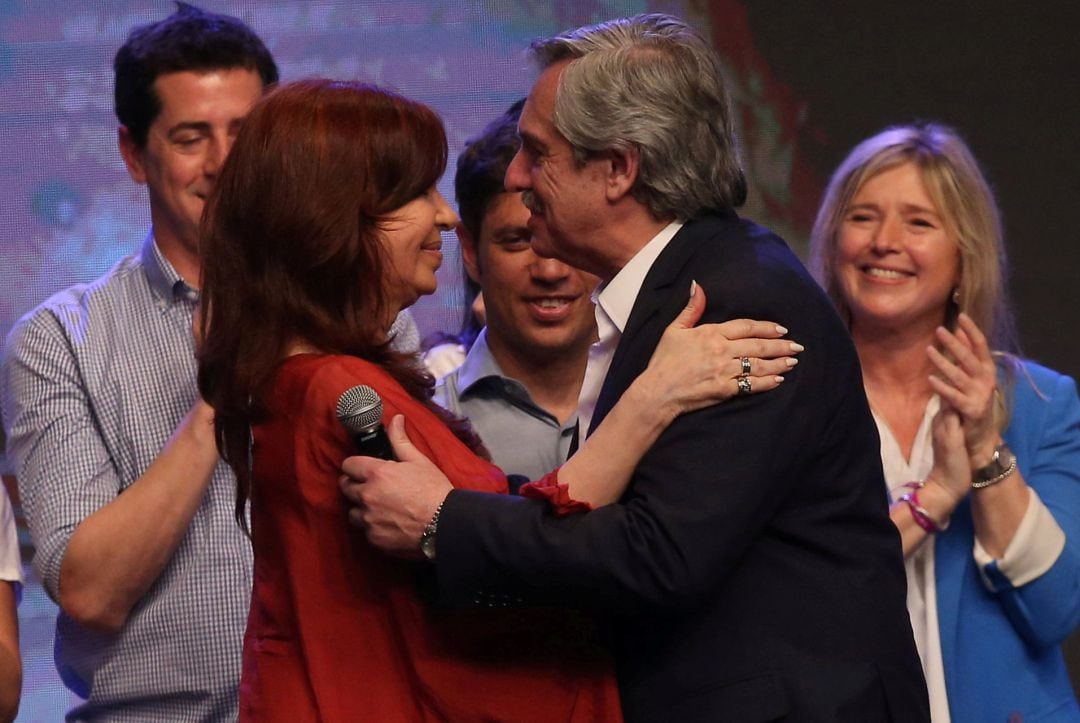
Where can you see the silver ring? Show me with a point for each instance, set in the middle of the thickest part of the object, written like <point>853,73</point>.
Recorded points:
<point>744,384</point>
<point>745,361</point>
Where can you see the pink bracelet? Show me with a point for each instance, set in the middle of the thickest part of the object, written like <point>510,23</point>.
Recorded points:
<point>918,512</point>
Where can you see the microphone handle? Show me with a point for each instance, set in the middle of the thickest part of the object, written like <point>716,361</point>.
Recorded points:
<point>373,442</point>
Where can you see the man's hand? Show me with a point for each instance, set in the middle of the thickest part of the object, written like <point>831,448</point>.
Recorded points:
<point>394,501</point>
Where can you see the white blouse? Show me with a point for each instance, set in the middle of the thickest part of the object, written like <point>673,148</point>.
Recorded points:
<point>921,592</point>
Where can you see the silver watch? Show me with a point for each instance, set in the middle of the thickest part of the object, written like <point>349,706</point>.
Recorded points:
<point>427,539</point>
<point>1001,465</point>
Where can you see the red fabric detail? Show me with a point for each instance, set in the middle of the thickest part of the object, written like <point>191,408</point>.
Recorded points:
<point>556,494</point>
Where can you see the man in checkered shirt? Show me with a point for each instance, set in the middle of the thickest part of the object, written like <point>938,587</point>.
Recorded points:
<point>129,507</point>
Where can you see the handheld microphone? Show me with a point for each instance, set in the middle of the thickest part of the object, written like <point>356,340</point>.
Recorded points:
<point>359,410</point>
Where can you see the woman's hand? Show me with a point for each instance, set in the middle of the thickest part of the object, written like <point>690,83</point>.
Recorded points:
<point>695,367</point>
<point>950,479</point>
<point>942,490</point>
<point>967,383</point>
<point>691,368</point>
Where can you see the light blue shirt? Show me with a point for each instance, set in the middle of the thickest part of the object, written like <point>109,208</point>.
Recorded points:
<point>523,438</point>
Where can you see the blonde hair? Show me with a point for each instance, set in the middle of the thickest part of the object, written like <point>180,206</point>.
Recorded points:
<point>966,204</point>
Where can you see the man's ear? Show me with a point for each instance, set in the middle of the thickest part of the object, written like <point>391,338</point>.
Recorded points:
<point>468,252</point>
<point>132,154</point>
<point>623,165</point>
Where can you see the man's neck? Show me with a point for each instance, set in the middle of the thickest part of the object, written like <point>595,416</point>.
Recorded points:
<point>553,381</point>
<point>624,237</point>
<point>183,260</point>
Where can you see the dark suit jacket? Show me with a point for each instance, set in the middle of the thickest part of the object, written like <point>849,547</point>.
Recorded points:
<point>750,572</point>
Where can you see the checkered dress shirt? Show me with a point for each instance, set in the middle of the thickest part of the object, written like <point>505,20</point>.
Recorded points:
<point>95,381</point>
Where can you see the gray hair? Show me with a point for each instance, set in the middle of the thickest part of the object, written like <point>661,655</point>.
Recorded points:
<point>652,83</point>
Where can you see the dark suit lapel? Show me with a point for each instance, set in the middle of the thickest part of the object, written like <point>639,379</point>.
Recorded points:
<point>661,297</point>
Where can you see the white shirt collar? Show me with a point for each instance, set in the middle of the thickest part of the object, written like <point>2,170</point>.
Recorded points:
<point>617,296</point>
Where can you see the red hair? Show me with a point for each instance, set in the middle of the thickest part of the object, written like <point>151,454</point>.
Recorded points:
<point>291,249</point>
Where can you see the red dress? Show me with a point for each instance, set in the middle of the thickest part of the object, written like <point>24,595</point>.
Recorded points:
<point>337,630</point>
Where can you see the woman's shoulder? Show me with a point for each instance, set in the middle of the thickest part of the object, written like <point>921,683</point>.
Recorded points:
<point>312,377</point>
<point>333,369</point>
<point>1033,382</point>
<point>1041,401</point>
<point>319,365</point>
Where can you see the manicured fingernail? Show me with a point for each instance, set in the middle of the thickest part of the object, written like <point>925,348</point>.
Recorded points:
<point>797,347</point>
<point>778,379</point>
<point>693,288</point>
<point>781,329</point>
<point>791,362</point>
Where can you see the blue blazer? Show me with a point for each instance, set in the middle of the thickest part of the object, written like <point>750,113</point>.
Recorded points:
<point>1001,648</point>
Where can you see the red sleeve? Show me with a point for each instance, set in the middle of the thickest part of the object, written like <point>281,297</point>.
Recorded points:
<point>555,493</point>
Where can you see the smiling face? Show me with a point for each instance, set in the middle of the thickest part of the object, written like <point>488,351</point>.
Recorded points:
<point>412,240</point>
<point>537,308</point>
<point>565,198</point>
<point>897,263</point>
<point>185,147</point>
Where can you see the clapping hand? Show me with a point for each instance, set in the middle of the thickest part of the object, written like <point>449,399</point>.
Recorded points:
<point>968,382</point>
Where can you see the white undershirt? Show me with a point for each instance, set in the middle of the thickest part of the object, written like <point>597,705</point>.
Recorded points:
<point>10,562</point>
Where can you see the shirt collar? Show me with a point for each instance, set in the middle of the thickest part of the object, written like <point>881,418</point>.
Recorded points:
<point>163,277</point>
<point>479,364</point>
<point>617,296</point>
<point>480,370</point>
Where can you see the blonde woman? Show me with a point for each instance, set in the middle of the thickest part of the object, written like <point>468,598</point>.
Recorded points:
<point>981,449</point>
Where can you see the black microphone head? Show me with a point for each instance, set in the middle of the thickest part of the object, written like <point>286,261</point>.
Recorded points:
<point>359,409</point>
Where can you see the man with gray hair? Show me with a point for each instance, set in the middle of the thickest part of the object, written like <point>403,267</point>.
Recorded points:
<point>750,572</point>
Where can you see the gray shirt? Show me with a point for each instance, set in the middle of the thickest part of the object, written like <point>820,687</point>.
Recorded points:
<point>523,438</point>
